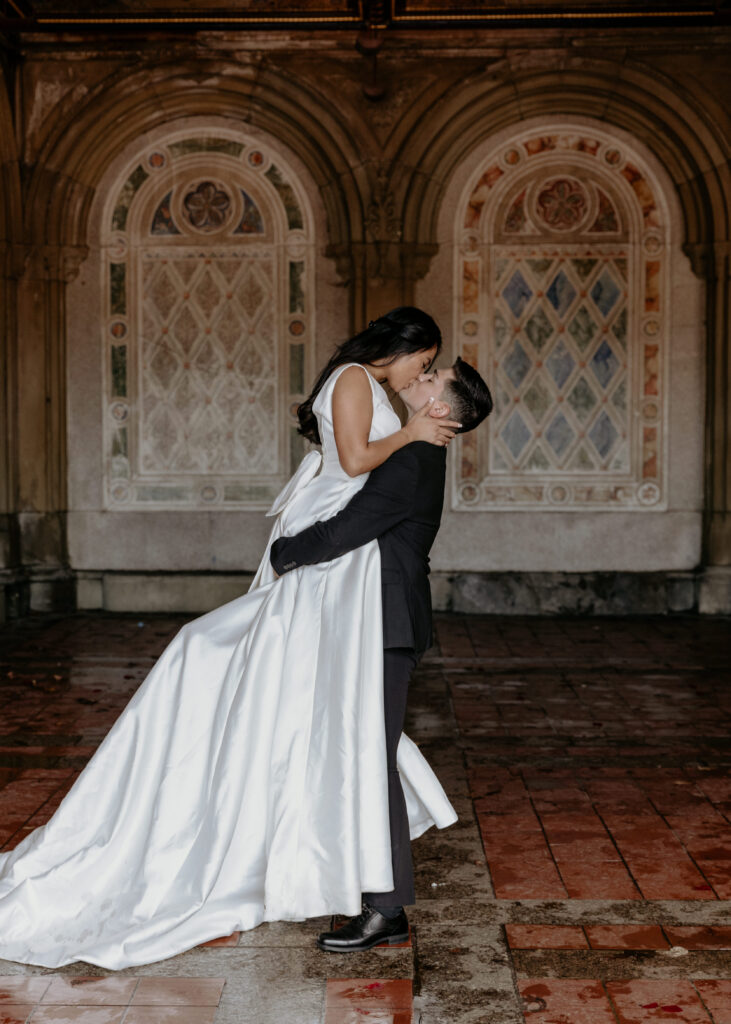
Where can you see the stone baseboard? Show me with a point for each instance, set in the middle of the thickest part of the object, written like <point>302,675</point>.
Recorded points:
<point>497,593</point>
<point>707,592</point>
<point>159,592</point>
<point>714,597</point>
<point>36,590</point>
<point>554,593</point>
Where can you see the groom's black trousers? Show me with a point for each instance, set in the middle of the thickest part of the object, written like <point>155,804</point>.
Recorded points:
<point>398,664</point>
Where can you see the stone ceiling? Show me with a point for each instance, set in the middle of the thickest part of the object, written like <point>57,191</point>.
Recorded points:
<point>52,14</point>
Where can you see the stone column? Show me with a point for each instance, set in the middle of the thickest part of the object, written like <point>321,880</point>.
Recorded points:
<point>41,422</point>
<point>712,261</point>
<point>381,270</point>
<point>380,275</point>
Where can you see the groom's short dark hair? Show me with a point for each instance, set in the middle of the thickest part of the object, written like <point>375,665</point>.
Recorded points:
<point>468,396</point>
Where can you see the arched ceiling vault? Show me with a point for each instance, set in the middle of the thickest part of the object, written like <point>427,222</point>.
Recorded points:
<point>331,140</point>
<point>10,203</point>
<point>693,150</point>
<point>82,144</point>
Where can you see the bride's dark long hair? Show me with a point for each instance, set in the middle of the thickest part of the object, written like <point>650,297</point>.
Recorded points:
<point>401,331</point>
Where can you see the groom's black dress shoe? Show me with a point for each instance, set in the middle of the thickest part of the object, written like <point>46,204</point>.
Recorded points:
<point>366,930</point>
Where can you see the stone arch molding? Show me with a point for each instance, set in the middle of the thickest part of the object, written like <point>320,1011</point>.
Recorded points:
<point>561,269</point>
<point>206,248</point>
<point>676,129</point>
<point>82,142</point>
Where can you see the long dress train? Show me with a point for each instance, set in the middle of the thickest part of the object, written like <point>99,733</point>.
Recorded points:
<point>245,781</point>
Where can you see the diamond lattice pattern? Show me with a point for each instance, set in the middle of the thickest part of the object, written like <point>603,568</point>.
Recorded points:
<point>560,342</point>
<point>208,365</point>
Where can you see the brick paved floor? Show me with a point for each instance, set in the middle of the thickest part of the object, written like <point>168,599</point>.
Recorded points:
<point>587,880</point>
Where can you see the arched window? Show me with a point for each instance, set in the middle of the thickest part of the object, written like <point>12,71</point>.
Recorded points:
<point>206,283</point>
<point>561,284</point>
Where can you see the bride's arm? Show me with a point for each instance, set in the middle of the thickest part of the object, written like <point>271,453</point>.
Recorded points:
<point>352,412</point>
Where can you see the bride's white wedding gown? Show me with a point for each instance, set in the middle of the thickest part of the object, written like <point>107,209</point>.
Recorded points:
<point>246,779</point>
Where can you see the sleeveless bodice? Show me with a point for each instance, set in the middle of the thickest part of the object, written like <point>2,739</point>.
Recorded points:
<point>321,487</point>
<point>384,422</point>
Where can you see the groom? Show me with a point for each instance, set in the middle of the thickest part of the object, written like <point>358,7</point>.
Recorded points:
<point>401,505</point>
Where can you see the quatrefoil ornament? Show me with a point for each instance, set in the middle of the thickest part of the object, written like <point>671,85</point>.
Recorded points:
<point>207,206</point>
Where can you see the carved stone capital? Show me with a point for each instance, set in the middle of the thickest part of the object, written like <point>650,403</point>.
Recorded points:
<point>709,259</point>
<point>55,262</point>
<point>13,259</point>
<point>344,263</point>
<point>416,259</point>
<point>409,261</point>
<point>382,223</point>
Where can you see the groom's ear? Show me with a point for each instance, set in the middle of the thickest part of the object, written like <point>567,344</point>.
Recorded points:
<point>440,410</point>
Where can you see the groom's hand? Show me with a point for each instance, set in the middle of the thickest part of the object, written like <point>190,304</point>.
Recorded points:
<point>278,559</point>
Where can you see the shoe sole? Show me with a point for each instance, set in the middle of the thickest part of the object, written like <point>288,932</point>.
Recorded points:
<point>391,940</point>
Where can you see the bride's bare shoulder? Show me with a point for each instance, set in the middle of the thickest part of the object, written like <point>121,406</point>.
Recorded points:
<point>353,380</point>
<point>352,406</point>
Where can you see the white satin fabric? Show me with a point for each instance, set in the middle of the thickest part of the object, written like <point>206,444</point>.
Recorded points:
<point>245,781</point>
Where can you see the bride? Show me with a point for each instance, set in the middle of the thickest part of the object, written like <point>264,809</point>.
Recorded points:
<point>246,781</point>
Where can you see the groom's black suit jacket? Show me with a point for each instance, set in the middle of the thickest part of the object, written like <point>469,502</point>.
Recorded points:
<point>401,505</point>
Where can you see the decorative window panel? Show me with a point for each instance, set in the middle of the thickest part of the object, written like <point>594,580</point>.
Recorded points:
<point>561,288</point>
<point>208,285</point>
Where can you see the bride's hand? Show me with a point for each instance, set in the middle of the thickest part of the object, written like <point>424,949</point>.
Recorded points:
<point>423,427</point>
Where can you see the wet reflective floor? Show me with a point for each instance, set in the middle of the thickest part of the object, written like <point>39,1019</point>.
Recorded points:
<point>587,881</point>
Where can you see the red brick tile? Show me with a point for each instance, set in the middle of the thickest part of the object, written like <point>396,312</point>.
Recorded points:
<point>718,876</point>
<point>585,850</point>
<point>15,1013</point>
<point>513,850</point>
<point>625,936</point>
<point>525,821</point>
<point>642,1000</point>
<point>91,991</point>
<point>664,876</point>
<point>339,1015</point>
<point>178,991</point>
<point>15,989</point>
<point>78,1015</point>
<point>599,880</point>
<point>699,938</point>
<point>627,819</point>
<point>539,887</point>
<point>567,821</point>
<point>716,788</point>
<point>530,876</point>
<point>369,993</point>
<point>564,1001</point>
<point>716,996</point>
<point>223,940</point>
<point>545,936</point>
<point>170,1015</point>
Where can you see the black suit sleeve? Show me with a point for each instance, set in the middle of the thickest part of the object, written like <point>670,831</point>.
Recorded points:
<point>387,497</point>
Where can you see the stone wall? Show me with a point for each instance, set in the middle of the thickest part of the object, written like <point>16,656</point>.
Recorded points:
<point>194,234</point>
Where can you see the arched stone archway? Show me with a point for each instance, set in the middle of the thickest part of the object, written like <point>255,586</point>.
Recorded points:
<point>12,256</point>
<point>206,259</point>
<point>79,147</point>
<point>562,250</point>
<point>562,237</point>
<point>208,291</point>
<point>692,148</point>
<point>690,145</point>
<point>379,194</point>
